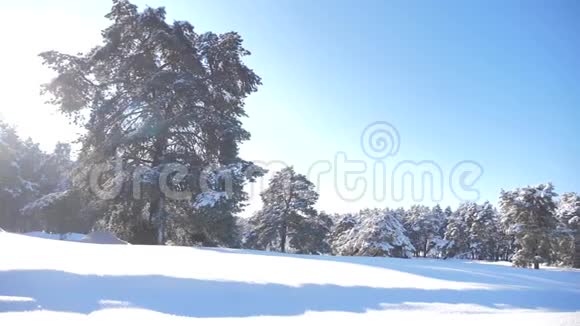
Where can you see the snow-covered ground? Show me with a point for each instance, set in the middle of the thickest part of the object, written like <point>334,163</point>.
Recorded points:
<point>48,282</point>
<point>53,236</point>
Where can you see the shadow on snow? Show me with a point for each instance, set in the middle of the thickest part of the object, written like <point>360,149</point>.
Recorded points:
<point>67,292</point>
<point>455,270</point>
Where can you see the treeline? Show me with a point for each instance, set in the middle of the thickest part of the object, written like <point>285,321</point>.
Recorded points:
<point>532,226</point>
<point>35,188</point>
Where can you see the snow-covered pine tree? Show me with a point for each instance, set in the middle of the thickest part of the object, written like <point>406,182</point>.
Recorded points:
<point>437,243</point>
<point>568,213</point>
<point>342,232</point>
<point>11,182</point>
<point>506,244</point>
<point>372,232</point>
<point>457,231</point>
<point>528,213</point>
<point>288,208</point>
<point>311,236</point>
<point>156,95</point>
<point>448,211</point>
<point>483,233</point>
<point>422,225</point>
<point>19,178</point>
<point>58,207</point>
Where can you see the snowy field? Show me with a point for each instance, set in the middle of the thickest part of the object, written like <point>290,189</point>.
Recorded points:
<point>52,282</point>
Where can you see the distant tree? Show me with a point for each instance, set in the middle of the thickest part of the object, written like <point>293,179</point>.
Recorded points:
<point>158,95</point>
<point>20,178</point>
<point>448,211</point>
<point>12,185</point>
<point>437,243</point>
<point>58,212</point>
<point>504,242</point>
<point>423,226</point>
<point>288,210</point>
<point>568,213</point>
<point>57,208</point>
<point>312,235</point>
<point>484,233</point>
<point>371,232</point>
<point>458,228</point>
<point>529,214</point>
<point>342,234</point>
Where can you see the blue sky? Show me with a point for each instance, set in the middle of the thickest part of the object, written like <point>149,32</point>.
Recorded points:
<point>495,82</point>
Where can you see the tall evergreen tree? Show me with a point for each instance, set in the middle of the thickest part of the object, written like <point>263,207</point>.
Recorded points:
<point>483,232</point>
<point>437,243</point>
<point>288,207</point>
<point>156,95</point>
<point>529,214</point>
<point>457,231</point>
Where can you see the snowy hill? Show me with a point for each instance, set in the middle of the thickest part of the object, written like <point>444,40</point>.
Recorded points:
<point>52,282</point>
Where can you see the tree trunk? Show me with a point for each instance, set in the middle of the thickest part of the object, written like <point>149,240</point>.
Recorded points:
<point>157,204</point>
<point>283,237</point>
<point>160,216</point>
<point>577,249</point>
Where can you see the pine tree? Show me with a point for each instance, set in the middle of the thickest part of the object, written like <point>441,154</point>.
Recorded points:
<point>568,213</point>
<point>11,182</point>
<point>288,207</point>
<point>57,208</point>
<point>483,233</point>
<point>457,231</point>
<point>371,232</point>
<point>448,211</point>
<point>311,236</point>
<point>19,178</point>
<point>529,215</point>
<point>343,232</point>
<point>437,243</point>
<point>157,95</point>
<point>455,235</point>
<point>423,226</point>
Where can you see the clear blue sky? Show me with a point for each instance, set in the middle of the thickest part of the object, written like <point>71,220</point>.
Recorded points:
<point>496,82</point>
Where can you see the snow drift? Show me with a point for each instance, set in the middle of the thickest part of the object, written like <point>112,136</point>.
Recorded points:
<point>102,237</point>
<point>70,283</point>
<point>56,236</point>
<point>98,237</point>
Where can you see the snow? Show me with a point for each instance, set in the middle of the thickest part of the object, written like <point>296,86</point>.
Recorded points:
<point>102,237</point>
<point>99,237</point>
<point>45,201</point>
<point>209,198</point>
<point>55,236</point>
<point>70,283</point>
